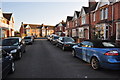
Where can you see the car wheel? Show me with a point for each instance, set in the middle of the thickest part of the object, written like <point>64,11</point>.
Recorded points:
<point>73,53</point>
<point>63,48</point>
<point>56,45</point>
<point>20,55</point>
<point>24,51</point>
<point>95,63</point>
<point>12,67</point>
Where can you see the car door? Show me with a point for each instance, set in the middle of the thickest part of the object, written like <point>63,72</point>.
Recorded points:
<point>82,50</point>
<point>60,42</point>
<point>78,50</point>
<point>5,63</point>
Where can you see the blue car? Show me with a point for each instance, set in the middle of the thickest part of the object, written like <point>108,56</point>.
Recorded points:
<point>99,53</point>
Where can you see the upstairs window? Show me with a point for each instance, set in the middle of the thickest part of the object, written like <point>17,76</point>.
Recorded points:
<point>94,16</point>
<point>83,19</point>
<point>104,14</point>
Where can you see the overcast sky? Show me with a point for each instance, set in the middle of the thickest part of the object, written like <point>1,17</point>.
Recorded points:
<point>49,12</point>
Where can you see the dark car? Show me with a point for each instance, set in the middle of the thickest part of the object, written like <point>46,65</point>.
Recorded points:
<point>29,39</point>
<point>7,62</point>
<point>54,40</point>
<point>66,43</point>
<point>15,46</point>
<point>99,53</point>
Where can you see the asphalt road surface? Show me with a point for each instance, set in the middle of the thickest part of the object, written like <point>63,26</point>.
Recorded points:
<point>44,60</point>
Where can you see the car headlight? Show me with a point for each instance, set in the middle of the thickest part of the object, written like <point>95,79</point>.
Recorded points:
<point>13,51</point>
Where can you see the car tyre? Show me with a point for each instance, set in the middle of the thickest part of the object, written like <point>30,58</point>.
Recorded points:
<point>20,55</point>
<point>95,63</point>
<point>56,45</point>
<point>73,53</point>
<point>63,48</point>
<point>24,51</point>
<point>12,67</point>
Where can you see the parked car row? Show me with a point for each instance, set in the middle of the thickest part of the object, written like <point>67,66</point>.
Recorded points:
<point>12,49</point>
<point>98,53</point>
<point>65,43</point>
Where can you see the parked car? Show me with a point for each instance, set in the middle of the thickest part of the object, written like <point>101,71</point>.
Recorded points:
<point>54,40</point>
<point>66,43</point>
<point>15,46</point>
<point>29,39</point>
<point>99,53</point>
<point>51,37</point>
<point>7,62</point>
<point>48,37</point>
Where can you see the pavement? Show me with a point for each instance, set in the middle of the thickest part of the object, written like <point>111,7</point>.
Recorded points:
<point>44,60</point>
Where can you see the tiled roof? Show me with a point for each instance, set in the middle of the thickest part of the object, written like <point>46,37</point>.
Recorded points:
<point>7,15</point>
<point>86,9</point>
<point>33,26</point>
<point>93,7</point>
<point>77,12</point>
<point>69,18</point>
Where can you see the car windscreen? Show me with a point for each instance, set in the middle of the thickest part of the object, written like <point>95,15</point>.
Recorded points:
<point>10,42</point>
<point>56,37</point>
<point>27,37</point>
<point>68,40</point>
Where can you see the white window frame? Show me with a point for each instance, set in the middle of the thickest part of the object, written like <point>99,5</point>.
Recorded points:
<point>102,14</point>
<point>94,16</point>
<point>106,13</point>
<point>83,19</point>
<point>117,31</point>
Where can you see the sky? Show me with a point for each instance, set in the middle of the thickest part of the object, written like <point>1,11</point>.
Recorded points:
<point>48,13</point>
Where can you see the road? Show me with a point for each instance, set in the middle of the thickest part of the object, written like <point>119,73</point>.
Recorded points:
<point>44,60</point>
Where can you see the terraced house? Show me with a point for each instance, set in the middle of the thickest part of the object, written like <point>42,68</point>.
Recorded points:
<point>100,20</point>
<point>36,30</point>
<point>6,24</point>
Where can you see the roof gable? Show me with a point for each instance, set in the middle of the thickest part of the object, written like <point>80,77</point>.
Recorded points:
<point>7,16</point>
<point>27,26</point>
<point>102,3</point>
<point>1,15</point>
<point>82,11</point>
<point>76,14</point>
<point>69,18</point>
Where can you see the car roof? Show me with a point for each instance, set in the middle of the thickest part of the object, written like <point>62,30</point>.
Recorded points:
<point>98,40</point>
<point>14,38</point>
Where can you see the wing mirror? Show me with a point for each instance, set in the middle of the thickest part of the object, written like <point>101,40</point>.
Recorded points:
<point>79,44</point>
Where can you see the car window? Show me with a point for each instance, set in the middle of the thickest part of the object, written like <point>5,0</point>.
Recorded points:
<point>56,37</point>
<point>85,44</point>
<point>68,39</point>
<point>10,42</point>
<point>27,37</point>
<point>90,44</point>
<point>108,44</point>
<point>60,38</point>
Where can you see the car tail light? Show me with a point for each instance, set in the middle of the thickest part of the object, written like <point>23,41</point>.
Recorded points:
<point>66,45</point>
<point>112,53</point>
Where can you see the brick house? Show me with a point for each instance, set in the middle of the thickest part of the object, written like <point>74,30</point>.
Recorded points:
<point>6,24</point>
<point>10,22</point>
<point>36,29</point>
<point>60,28</point>
<point>75,25</point>
<point>69,24</point>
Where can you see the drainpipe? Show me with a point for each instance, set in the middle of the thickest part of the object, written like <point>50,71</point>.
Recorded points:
<point>112,19</point>
<point>1,32</point>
